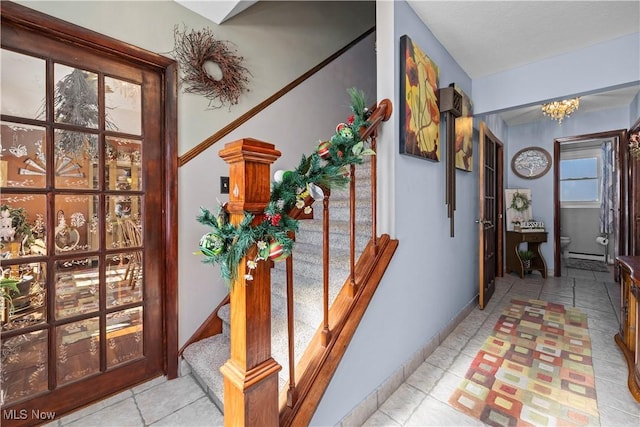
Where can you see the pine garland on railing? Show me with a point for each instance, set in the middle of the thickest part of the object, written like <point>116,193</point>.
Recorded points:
<point>326,168</point>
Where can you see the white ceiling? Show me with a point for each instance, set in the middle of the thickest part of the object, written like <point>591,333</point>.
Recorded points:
<point>486,37</point>
<point>216,11</point>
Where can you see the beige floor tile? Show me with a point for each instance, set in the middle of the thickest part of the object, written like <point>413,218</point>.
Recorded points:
<point>161,400</point>
<point>425,377</point>
<point>402,403</point>
<point>378,419</point>
<point>202,412</point>
<point>433,412</point>
<point>121,414</point>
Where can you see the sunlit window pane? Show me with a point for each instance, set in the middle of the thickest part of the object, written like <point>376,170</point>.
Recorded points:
<point>584,190</point>
<point>579,168</point>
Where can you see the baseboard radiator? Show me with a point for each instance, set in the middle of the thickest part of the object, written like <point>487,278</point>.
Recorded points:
<point>581,255</point>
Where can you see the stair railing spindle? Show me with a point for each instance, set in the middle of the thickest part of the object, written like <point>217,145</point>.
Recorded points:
<point>326,333</point>
<point>374,194</point>
<point>352,232</point>
<point>292,393</point>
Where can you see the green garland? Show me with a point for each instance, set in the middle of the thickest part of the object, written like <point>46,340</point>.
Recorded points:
<point>520,202</point>
<point>326,168</point>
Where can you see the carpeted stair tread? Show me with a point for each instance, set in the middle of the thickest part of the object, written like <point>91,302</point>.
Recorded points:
<point>205,358</point>
<point>310,231</point>
<point>303,332</point>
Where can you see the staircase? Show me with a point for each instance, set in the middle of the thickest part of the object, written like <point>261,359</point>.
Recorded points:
<point>206,356</point>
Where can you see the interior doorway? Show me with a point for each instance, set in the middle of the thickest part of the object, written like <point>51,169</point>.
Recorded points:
<point>490,208</point>
<point>617,241</point>
<point>87,125</point>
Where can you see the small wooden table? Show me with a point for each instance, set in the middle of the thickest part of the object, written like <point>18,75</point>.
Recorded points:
<point>533,239</point>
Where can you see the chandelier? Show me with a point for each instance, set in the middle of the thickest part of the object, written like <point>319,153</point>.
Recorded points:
<point>558,110</point>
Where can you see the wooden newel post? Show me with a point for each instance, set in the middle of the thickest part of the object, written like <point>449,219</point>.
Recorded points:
<point>251,374</point>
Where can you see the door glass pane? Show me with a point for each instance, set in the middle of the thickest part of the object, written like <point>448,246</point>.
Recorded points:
<point>75,97</point>
<point>22,225</point>
<point>22,85</point>
<point>76,228</point>
<point>123,105</point>
<point>24,365</point>
<point>23,156</point>
<point>77,287</point>
<point>75,155</point>
<point>123,222</point>
<point>27,306</point>
<point>77,345</point>
<point>124,336</point>
<point>124,278</point>
<point>123,171</point>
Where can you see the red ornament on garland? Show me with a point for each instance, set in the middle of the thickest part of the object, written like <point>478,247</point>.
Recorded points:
<point>277,252</point>
<point>323,149</point>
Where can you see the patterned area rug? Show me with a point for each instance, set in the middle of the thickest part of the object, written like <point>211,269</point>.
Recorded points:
<point>585,264</point>
<point>534,369</point>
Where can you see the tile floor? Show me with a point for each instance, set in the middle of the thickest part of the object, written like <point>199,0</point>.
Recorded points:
<point>421,400</point>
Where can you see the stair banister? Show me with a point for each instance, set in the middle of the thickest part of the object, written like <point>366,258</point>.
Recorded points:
<point>251,374</point>
<point>380,113</point>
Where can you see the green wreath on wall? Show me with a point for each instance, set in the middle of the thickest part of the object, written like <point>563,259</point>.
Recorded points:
<point>520,202</point>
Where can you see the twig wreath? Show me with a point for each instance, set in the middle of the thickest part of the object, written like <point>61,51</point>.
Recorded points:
<point>196,51</point>
<point>326,168</point>
<point>520,202</point>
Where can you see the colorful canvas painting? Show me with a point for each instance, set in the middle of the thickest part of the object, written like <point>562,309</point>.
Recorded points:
<point>464,134</point>
<point>420,115</point>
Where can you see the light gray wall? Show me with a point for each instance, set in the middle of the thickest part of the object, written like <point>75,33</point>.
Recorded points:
<point>432,276</point>
<point>582,225</point>
<point>604,65</point>
<point>634,111</point>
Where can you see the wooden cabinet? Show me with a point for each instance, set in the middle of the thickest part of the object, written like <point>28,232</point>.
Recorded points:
<point>628,338</point>
<point>532,240</point>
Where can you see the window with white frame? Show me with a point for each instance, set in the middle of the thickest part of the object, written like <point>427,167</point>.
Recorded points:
<point>580,175</point>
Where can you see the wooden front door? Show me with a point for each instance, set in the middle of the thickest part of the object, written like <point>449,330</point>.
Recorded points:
<point>83,175</point>
<point>489,213</point>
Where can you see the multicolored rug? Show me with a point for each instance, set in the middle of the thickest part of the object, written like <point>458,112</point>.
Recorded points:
<point>534,369</point>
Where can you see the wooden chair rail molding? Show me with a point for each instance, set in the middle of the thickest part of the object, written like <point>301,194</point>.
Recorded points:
<point>195,151</point>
